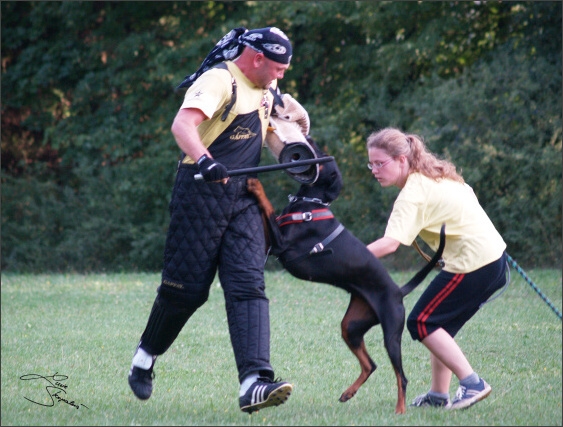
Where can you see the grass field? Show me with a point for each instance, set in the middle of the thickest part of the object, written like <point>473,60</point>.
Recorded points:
<point>82,330</point>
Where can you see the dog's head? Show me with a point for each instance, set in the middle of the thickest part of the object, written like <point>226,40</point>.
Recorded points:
<point>288,144</point>
<point>328,185</point>
<point>289,123</point>
<point>288,141</point>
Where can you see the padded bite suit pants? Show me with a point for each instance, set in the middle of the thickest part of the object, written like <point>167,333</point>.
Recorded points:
<point>214,227</point>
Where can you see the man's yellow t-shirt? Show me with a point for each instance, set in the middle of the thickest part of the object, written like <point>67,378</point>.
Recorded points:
<point>424,204</point>
<point>212,92</point>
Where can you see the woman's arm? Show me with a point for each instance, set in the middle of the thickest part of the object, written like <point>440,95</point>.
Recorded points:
<point>383,246</point>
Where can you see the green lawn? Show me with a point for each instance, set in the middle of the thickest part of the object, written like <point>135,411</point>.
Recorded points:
<point>85,328</point>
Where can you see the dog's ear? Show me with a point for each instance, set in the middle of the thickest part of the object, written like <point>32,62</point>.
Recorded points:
<point>315,147</point>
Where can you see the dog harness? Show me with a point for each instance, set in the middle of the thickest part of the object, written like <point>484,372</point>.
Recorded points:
<point>315,215</point>
<point>319,247</point>
<point>297,217</point>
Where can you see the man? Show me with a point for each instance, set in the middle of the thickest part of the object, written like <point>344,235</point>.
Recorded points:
<point>215,223</point>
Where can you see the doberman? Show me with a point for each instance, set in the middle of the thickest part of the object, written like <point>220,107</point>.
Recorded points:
<point>313,245</point>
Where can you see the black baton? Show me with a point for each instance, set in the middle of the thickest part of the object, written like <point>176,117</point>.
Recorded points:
<point>269,168</point>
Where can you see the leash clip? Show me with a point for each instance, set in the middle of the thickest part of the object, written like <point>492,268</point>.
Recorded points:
<point>319,247</point>
<point>314,200</point>
<point>293,199</point>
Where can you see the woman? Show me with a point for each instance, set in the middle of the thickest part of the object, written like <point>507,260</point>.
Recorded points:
<point>433,193</point>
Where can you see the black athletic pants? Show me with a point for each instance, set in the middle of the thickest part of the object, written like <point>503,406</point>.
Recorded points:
<point>450,300</point>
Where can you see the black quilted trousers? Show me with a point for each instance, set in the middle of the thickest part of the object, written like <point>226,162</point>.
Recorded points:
<point>214,228</point>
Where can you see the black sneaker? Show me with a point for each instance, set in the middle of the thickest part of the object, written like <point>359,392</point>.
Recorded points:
<point>264,393</point>
<point>428,400</point>
<point>140,381</point>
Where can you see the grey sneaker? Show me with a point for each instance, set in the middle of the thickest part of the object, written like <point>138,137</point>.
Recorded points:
<point>427,400</point>
<point>468,396</point>
<point>264,393</point>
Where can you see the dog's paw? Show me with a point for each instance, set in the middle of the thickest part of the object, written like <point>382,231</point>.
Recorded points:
<point>255,186</point>
<point>346,396</point>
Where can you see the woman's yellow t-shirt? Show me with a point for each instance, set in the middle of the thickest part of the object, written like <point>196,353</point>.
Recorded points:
<point>424,204</point>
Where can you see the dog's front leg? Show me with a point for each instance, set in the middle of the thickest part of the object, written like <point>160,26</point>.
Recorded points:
<point>255,187</point>
<point>271,229</point>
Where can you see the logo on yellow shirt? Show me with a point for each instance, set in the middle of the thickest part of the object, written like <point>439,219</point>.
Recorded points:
<point>242,133</point>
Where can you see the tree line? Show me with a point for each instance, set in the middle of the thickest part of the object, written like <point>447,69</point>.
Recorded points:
<point>88,160</point>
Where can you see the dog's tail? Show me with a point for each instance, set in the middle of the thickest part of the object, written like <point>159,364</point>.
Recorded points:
<point>421,275</point>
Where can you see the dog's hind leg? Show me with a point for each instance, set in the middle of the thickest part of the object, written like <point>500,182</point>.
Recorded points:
<point>392,324</point>
<point>400,408</point>
<point>359,318</point>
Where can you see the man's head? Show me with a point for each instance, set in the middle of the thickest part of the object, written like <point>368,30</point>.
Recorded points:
<point>270,41</point>
<point>266,55</point>
<point>263,55</point>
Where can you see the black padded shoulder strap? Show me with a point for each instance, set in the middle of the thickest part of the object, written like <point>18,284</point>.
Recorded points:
<point>230,105</point>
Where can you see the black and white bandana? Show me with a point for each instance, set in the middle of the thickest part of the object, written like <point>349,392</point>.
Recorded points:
<point>270,41</point>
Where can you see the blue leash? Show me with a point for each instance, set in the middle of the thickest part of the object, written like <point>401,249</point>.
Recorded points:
<point>534,286</point>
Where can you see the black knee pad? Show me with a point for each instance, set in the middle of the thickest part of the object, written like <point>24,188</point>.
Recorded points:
<point>249,326</point>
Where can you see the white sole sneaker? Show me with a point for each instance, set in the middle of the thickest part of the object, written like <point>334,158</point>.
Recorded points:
<point>466,397</point>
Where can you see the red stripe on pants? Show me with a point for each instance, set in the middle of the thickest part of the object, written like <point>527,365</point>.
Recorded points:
<point>429,309</point>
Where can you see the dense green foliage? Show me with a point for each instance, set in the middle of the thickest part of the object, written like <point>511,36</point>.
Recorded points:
<point>88,160</point>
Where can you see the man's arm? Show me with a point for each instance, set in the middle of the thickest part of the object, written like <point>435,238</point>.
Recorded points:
<point>184,129</point>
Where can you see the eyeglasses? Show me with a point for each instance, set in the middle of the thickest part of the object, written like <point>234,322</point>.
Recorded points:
<point>379,165</point>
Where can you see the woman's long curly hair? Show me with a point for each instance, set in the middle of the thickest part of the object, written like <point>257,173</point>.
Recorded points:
<point>395,143</point>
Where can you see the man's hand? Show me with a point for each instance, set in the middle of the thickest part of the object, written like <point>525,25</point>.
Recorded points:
<point>212,171</point>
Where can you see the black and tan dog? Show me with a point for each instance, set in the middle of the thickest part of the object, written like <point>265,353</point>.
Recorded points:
<point>313,245</point>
